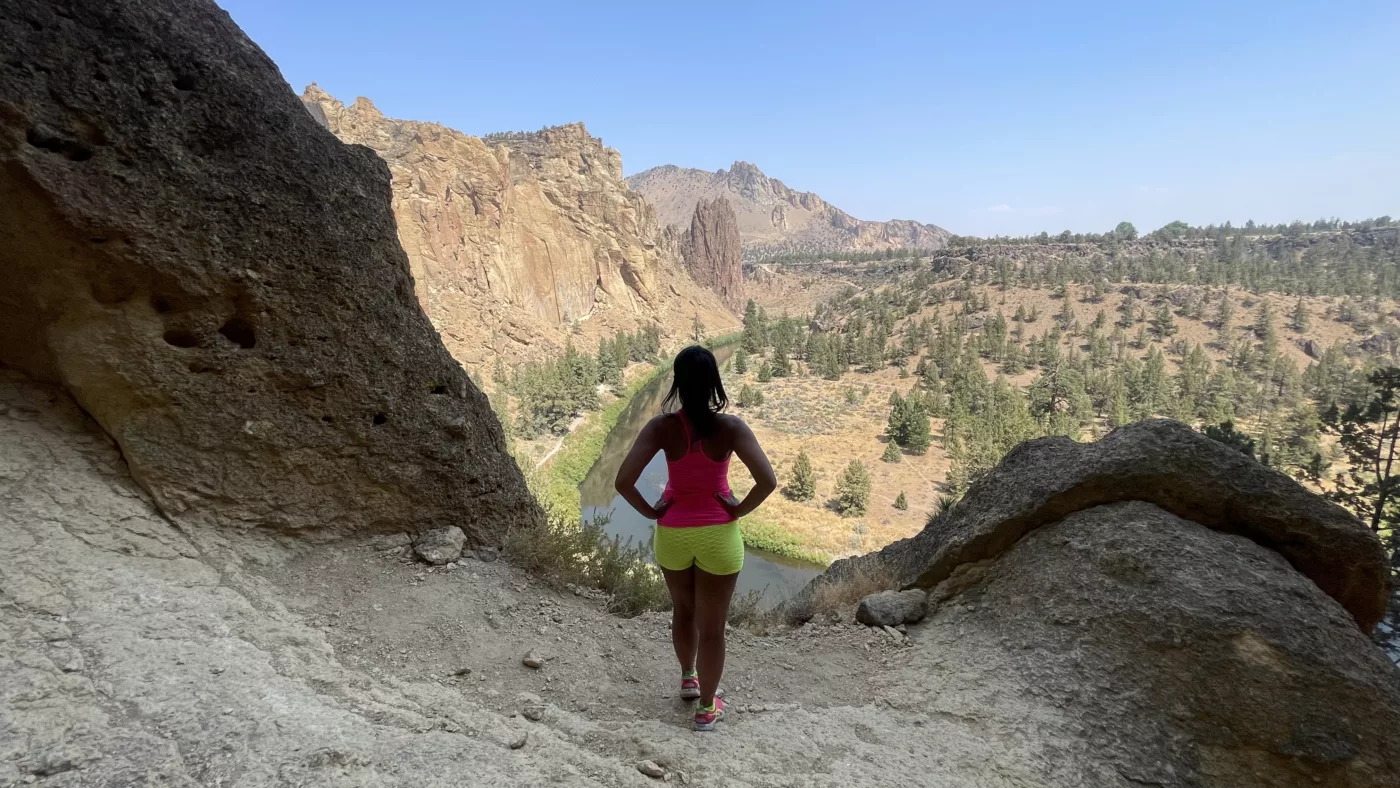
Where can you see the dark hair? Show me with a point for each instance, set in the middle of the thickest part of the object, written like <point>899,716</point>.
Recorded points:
<point>696,386</point>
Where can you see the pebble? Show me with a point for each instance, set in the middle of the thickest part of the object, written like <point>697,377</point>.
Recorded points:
<point>533,660</point>
<point>462,672</point>
<point>519,741</point>
<point>651,769</point>
<point>533,713</point>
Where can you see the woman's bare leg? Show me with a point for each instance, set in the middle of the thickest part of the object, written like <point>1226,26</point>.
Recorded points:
<point>685,637</point>
<point>712,595</point>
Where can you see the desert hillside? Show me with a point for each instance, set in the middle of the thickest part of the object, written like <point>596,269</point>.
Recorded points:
<point>520,242</point>
<point>773,218</point>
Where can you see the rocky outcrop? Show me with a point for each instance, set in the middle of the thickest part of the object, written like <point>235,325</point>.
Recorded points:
<point>1161,462</point>
<point>773,218</point>
<point>711,251</point>
<point>1180,655</point>
<point>520,241</point>
<point>216,281</point>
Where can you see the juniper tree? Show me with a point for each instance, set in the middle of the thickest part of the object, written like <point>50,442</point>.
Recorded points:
<point>803,486</point>
<point>853,490</point>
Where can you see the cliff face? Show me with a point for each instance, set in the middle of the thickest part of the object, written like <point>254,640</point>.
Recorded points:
<point>712,253</point>
<point>216,281</point>
<point>773,218</point>
<point>515,240</point>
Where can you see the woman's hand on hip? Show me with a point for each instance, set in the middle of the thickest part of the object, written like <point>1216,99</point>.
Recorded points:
<point>660,508</point>
<point>730,504</point>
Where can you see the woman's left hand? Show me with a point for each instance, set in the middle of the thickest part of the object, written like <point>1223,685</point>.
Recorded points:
<point>730,504</point>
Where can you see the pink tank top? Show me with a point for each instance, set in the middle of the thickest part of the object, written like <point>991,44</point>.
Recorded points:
<point>691,484</point>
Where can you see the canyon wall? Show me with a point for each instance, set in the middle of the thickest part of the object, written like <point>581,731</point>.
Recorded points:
<point>519,241</point>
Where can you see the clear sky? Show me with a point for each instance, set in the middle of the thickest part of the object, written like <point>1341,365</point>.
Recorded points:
<point>983,117</point>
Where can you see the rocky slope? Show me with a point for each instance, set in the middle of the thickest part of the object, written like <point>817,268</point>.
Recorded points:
<point>518,242</point>
<point>215,280</point>
<point>712,252</point>
<point>773,218</point>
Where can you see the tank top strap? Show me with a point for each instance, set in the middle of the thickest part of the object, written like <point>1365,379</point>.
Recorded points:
<point>685,424</point>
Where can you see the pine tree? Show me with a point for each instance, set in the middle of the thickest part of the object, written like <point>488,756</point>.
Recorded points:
<point>781,367</point>
<point>900,502</point>
<point>803,486</point>
<point>1368,432</point>
<point>853,490</point>
<point>741,361</point>
<point>1162,324</point>
<point>765,372</point>
<point>1299,320</point>
<point>750,396</point>
<point>892,453</point>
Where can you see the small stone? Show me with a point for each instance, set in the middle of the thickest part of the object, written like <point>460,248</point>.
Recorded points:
<point>533,712</point>
<point>486,555</point>
<point>519,741</point>
<point>462,672</point>
<point>216,670</point>
<point>439,546</point>
<point>533,660</point>
<point>651,769</point>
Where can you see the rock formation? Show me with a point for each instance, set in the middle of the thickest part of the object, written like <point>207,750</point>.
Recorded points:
<point>216,280</point>
<point>518,241</point>
<point>775,219</point>
<point>1202,616</point>
<point>711,251</point>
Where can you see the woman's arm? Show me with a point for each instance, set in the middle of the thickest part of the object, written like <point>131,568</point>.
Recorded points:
<point>648,443</point>
<point>764,480</point>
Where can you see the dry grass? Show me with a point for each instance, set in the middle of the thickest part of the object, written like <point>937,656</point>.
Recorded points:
<point>807,412</point>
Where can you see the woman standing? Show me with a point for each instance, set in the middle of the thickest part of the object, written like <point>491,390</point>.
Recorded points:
<point>697,542</point>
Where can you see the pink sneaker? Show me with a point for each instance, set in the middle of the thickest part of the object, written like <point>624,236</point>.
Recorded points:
<point>690,686</point>
<point>705,719</point>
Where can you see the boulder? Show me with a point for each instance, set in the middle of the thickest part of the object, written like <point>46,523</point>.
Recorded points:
<point>215,278</point>
<point>892,608</point>
<point>1176,655</point>
<point>1311,347</point>
<point>1158,461</point>
<point>440,546</point>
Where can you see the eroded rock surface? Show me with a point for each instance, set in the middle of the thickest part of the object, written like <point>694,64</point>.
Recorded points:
<point>712,253</point>
<point>216,279</point>
<point>520,241</point>
<point>1159,461</point>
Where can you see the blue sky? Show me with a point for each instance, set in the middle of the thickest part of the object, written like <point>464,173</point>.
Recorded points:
<point>983,117</point>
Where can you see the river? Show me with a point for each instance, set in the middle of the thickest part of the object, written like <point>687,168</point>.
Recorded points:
<point>775,577</point>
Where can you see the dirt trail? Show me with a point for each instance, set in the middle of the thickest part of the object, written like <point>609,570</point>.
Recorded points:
<point>132,652</point>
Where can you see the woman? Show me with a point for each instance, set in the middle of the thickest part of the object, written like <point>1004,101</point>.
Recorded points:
<point>697,542</point>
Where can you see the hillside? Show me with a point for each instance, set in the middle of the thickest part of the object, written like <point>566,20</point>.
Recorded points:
<point>519,242</point>
<point>773,218</point>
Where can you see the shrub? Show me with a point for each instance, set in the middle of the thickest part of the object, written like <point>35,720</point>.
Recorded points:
<point>803,486</point>
<point>853,490</point>
<point>765,372</point>
<point>892,452</point>
<point>901,503</point>
<point>750,396</point>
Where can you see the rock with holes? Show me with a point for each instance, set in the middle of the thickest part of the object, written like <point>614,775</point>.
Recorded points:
<point>216,279</point>
<point>439,546</point>
<point>892,608</point>
<point>1158,461</point>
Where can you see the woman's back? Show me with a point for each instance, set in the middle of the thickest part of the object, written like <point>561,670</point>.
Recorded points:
<point>697,470</point>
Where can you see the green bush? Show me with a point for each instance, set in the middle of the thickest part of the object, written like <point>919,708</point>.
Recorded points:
<point>803,486</point>
<point>853,490</point>
<point>750,396</point>
<point>892,452</point>
<point>901,503</point>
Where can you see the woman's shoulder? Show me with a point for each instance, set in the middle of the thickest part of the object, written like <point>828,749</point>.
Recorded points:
<point>732,422</point>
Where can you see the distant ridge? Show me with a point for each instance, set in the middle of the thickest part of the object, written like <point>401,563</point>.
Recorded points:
<point>773,218</point>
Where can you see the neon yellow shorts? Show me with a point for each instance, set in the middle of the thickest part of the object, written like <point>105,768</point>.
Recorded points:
<point>716,549</point>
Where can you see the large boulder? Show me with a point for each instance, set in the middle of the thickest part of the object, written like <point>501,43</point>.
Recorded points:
<point>1158,461</point>
<point>1171,654</point>
<point>215,278</point>
<point>892,608</point>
